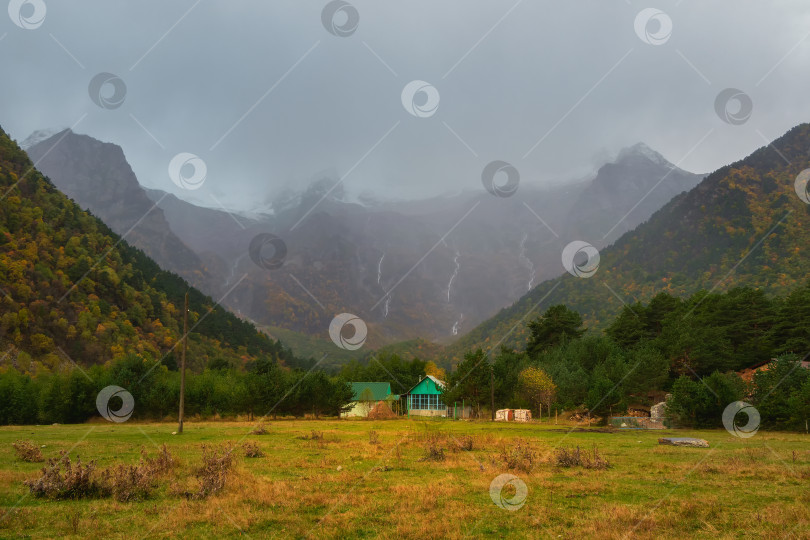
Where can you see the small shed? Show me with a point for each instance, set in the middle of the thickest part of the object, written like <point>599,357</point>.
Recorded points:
<point>513,415</point>
<point>505,415</point>
<point>523,415</point>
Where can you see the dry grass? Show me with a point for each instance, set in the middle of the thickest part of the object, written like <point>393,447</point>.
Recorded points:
<point>261,429</point>
<point>575,457</point>
<point>137,482</point>
<point>304,488</point>
<point>433,447</point>
<point>519,455</point>
<point>252,450</point>
<point>213,473</point>
<point>28,451</point>
<point>63,479</point>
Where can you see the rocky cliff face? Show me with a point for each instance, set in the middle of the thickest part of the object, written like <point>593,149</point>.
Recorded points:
<point>97,176</point>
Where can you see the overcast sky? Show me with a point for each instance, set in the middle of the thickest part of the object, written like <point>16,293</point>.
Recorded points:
<point>266,96</point>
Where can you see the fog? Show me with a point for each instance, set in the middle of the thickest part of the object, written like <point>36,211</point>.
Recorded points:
<point>269,94</point>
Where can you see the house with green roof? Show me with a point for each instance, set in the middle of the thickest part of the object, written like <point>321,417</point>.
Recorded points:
<point>367,395</point>
<point>424,399</point>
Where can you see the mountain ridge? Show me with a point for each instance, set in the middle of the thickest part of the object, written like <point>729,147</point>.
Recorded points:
<point>742,225</point>
<point>73,289</point>
<point>494,256</point>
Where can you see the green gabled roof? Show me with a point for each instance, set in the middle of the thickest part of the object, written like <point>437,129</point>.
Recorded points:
<point>378,390</point>
<point>427,385</point>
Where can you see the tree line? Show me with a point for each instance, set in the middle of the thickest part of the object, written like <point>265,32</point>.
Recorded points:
<point>690,348</point>
<point>263,388</point>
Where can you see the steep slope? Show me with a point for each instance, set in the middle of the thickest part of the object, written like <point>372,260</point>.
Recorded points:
<point>73,291</point>
<point>625,193</point>
<point>97,176</point>
<point>742,225</point>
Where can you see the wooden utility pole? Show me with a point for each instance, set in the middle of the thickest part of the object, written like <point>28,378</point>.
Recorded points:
<point>183,365</point>
<point>492,391</point>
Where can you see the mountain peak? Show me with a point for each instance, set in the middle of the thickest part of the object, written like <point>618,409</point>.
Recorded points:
<point>40,135</point>
<point>642,150</point>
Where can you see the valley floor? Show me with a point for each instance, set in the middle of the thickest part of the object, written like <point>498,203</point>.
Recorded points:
<point>369,479</point>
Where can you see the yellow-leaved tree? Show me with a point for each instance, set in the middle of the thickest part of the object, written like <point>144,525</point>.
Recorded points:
<point>537,388</point>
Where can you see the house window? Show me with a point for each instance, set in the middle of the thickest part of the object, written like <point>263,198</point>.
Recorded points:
<point>426,401</point>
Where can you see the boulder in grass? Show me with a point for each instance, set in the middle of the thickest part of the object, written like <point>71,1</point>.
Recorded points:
<point>685,441</point>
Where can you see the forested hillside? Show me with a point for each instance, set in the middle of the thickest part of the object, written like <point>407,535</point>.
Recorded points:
<point>74,291</point>
<point>743,225</point>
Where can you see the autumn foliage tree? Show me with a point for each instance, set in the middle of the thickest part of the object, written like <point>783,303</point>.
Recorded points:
<point>537,388</point>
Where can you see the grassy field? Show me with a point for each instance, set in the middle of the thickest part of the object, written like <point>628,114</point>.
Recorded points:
<point>347,485</point>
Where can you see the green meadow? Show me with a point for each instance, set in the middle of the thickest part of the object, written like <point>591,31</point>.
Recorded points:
<point>410,478</point>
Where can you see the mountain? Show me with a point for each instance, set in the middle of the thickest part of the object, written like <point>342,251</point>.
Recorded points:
<point>431,268</point>
<point>75,293</point>
<point>398,257</point>
<point>743,225</point>
<point>625,193</point>
<point>97,176</point>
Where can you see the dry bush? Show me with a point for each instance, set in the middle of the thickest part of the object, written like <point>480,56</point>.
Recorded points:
<point>520,456</point>
<point>575,457</point>
<point>373,437</point>
<point>434,450</point>
<point>161,463</point>
<point>128,482</point>
<point>465,442</point>
<point>252,450</point>
<point>75,483</point>
<point>261,429</point>
<point>137,482</point>
<point>569,458</point>
<point>28,451</point>
<point>212,475</point>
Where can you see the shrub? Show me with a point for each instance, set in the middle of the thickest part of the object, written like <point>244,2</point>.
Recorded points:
<point>136,482</point>
<point>465,442</point>
<point>433,448</point>
<point>161,463</point>
<point>519,456</point>
<point>252,450</point>
<point>28,451</point>
<point>128,482</point>
<point>373,437</point>
<point>76,483</point>
<point>578,458</point>
<point>212,475</point>
<point>261,429</point>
